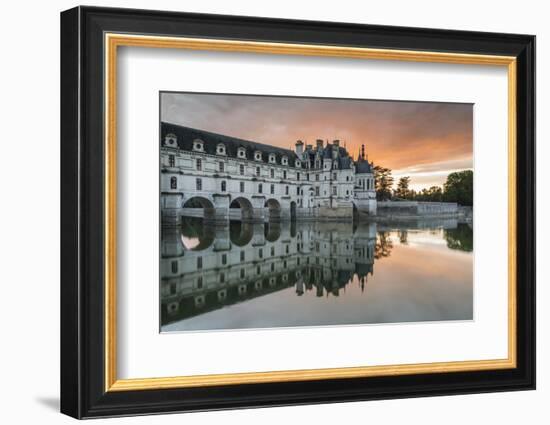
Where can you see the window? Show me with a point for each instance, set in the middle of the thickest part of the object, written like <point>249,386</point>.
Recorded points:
<point>197,145</point>
<point>284,160</point>
<point>272,173</point>
<point>242,152</point>
<point>172,289</point>
<point>297,163</point>
<point>317,177</point>
<point>241,170</point>
<point>174,266</point>
<point>258,171</point>
<point>221,149</point>
<point>224,185</point>
<point>242,255</point>
<point>307,176</point>
<point>260,188</point>
<point>272,267</point>
<point>199,282</point>
<point>334,176</point>
<point>261,253</point>
<point>298,176</point>
<point>347,178</point>
<point>272,158</point>
<point>242,187</point>
<point>199,263</point>
<point>224,259</point>
<point>171,160</point>
<point>222,277</point>
<point>242,274</point>
<point>287,249</point>
<point>272,251</point>
<point>222,166</point>
<point>286,190</point>
<point>297,190</point>
<point>284,174</point>
<point>258,270</point>
<point>258,156</point>
<point>317,191</point>
<point>199,164</point>
<point>173,182</point>
<point>347,192</point>
<point>272,189</point>
<point>334,189</point>
<point>198,183</point>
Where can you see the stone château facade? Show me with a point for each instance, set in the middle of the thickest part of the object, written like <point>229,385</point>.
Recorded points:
<point>218,177</point>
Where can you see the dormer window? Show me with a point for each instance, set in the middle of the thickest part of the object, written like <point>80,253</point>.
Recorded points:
<point>220,149</point>
<point>284,160</point>
<point>298,163</point>
<point>241,153</point>
<point>258,156</point>
<point>272,158</point>
<point>198,145</point>
<point>170,140</point>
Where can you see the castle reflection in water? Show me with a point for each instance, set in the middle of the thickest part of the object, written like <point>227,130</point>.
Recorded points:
<point>209,268</point>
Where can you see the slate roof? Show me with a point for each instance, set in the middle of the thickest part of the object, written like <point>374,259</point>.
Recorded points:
<point>186,135</point>
<point>363,167</point>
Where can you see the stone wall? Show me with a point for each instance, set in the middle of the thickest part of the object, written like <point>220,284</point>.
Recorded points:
<point>416,209</point>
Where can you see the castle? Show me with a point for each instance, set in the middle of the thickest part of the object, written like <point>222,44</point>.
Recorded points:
<point>221,178</point>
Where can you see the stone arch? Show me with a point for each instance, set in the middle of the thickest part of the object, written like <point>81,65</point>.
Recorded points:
<point>247,211</point>
<point>199,202</point>
<point>274,209</point>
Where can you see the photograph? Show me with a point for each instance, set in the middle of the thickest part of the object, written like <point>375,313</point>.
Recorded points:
<point>281,212</point>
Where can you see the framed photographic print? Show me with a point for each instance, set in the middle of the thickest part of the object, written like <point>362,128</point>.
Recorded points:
<point>261,212</point>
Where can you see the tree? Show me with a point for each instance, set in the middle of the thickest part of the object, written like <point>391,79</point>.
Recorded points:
<point>402,190</point>
<point>435,193</point>
<point>383,183</point>
<point>459,188</point>
<point>461,238</point>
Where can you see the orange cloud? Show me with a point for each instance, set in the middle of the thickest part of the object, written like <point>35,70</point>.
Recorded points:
<point>425,140</point>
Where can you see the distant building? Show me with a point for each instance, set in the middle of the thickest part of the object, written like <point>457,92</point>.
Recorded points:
<point>219,177</point>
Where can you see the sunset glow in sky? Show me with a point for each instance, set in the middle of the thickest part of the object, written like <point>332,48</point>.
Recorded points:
<point>423,140</point>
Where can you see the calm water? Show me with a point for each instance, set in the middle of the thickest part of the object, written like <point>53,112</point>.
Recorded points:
<point>314,274</point>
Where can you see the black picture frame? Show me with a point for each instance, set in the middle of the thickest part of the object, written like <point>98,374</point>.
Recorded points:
<point>83,392</point>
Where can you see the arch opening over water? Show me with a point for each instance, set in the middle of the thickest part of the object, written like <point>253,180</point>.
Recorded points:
<point>247,211</point>
<point>199,206</point>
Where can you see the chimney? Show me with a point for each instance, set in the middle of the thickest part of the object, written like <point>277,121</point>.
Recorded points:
<point>309,147</point>
<point>363,152</point>
<point>299,148</point>
<point>319,143</point>
<point>336,142</point>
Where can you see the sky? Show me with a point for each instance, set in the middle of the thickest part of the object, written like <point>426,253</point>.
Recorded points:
<point>423,140</point>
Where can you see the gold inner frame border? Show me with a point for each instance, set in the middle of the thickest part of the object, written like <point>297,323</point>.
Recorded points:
<point>111,43</point>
